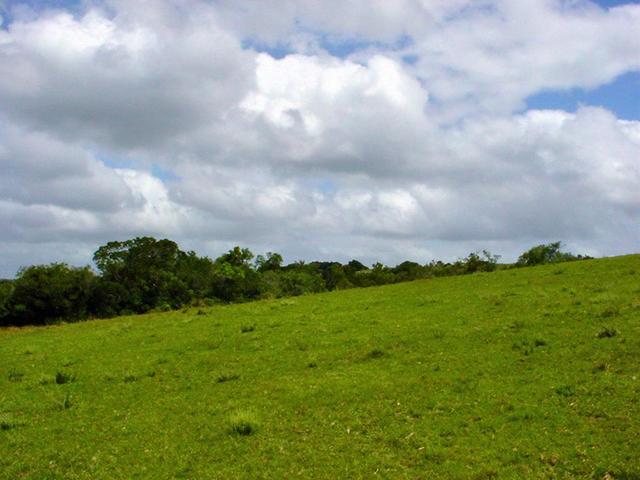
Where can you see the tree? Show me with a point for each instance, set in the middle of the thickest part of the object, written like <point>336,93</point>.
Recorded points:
<point>47,293</point>
<point>300,282</point>
<point>140,274</point>
<point>6,290</point>
<point>352,269</point>
<point>196,273</point>
<point>233,277</point>
<point>543,254</point>
<point>378,274</point>
<point>407,271</point>
<point>336,278</point>
<point>237,257</point>
<point>480,262</point>
<point>332,274</point>
<point>273,261</point>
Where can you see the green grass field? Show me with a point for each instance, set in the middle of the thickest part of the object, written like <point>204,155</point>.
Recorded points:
<point>528,373</point>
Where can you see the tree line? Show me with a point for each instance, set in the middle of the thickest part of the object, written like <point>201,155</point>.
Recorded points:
<point>145,274</point>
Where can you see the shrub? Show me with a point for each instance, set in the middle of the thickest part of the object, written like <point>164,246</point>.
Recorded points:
<point>6,290</point>
<point>298,280</point>
<point>163,307</point>
<point>48,293</point>
<point>480,262</point>
<point>546,253</point>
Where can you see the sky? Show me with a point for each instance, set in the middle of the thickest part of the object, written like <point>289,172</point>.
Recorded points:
<point>376,130</point>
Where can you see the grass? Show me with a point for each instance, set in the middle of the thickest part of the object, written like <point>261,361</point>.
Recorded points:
<point>516,374</point>
<point>243,422</point>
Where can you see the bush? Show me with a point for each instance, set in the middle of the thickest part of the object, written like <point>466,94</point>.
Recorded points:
<point>292,283</point>
<point>544,254</point>
<point>233,280</point>
<point>47,293</point>
<point>480,262</point>
<point>6,290</point>
<point>145,274</point>
<point>140,274</point>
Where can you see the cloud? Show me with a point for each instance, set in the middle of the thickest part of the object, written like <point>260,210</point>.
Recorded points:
<point>491,60</point>
<point>39,169</point>
<point>315,154</point>
<point>120,81</point>
<point>338,115</point>
<point>475,56</point>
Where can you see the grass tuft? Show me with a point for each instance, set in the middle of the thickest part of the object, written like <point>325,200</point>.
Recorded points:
<point>243,422</point>
<point>600,367</point>
<point>610,312</point>
<point>227,377</point>
<point>517,326</point>
<point>7,422</point>
<point>64,377</point>
<point>46,380</point>
<point>607,333</point>
<point>565,391</point>
<point>375,353</point>
<point>66,403</point>
<point>15,375</point>
<point>247,328</point>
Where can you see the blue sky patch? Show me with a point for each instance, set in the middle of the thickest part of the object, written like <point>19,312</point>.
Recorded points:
<point>622,97</point>
<point>164,174</point>
<point>343,47</point>
<point>113,161</point>
<point>615,3</point>
<point>278,50</point>
<point>337,46</point>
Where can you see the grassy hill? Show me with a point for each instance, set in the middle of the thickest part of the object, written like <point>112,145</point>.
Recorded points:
<point>529,373</point>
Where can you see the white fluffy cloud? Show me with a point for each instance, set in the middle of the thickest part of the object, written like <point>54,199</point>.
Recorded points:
<point>126,81</point>
<point>159,118</point>
<point>475,56</point>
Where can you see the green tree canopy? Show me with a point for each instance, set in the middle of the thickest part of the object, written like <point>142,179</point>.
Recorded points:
<point>45,293</point>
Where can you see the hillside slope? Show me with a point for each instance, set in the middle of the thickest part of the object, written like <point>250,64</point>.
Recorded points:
<point>521,373</point>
